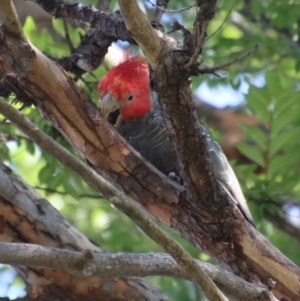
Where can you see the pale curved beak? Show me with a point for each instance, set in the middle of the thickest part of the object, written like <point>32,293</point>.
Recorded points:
<point>108,104</point>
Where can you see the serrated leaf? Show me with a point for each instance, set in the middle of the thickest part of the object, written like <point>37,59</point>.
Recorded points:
<point>289,137</point>
<point>257,134</point>
<point>286,117</point>
<point>251,152</point>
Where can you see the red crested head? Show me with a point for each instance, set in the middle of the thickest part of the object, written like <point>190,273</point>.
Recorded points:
<point>127,85</point>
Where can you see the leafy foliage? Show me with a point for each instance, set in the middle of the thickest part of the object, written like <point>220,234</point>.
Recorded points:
<point>274,172</point>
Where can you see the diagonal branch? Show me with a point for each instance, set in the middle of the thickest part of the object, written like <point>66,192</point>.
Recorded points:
<point>28,218</point>
<point>208,201</point>
<point>173,248</point>
<point>10,19</point>
<point>283,224</point>
<point>212,224</point>
<point>116,197</point>
<point>162,7</point>
<point>229,63</point>
<point>142,31</point>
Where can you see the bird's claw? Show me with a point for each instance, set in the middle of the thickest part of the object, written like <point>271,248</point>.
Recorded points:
<point>174,177</point>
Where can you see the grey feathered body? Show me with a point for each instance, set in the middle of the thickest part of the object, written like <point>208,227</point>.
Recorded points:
<point>149,137</point>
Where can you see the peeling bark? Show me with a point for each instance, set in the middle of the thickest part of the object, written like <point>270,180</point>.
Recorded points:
<point>26,217</point>
<point>217,228</point>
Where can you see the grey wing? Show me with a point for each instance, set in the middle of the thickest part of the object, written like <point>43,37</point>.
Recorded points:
<point>149,137</point>
<point>226,175</point>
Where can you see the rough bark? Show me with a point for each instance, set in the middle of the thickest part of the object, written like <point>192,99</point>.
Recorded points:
<point>89,54</point>
<point>28,218</point>
<point>105,29</point>
<point>88,264</point>
<point>243,250</point>
<point>217,227</point>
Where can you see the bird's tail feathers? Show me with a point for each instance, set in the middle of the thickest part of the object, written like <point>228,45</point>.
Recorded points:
<point>240,202</point>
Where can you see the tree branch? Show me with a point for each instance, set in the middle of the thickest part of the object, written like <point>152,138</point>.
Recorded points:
<point>208,222</point>
<point>172,247</point>
<point>106,28</point>
<point>159,11</point>
<point>119,199</point>
<point>10,19</point>
<point>283,225</point>
<point>87,264</point>
<point>28,218</point>
<point>229,63</point>
<point>172,11</point>
<point>205,12</point>
<point>172,84</point>
<point>59,152</point>
<point>142,31</point>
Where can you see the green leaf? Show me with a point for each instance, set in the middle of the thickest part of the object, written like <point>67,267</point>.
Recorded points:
<point>29,27</point>
<point>59,26</point>
<point>30,147</point>
<point>273,84</point>
<point>251,152</point>
<point>4,151</point>
<point>280,141</point>
<point>281,163</point>
<point>46,174</point>
<point>258,134</point>
<point>286,101</point>
<point>285,118</point>
<point>258,102</point>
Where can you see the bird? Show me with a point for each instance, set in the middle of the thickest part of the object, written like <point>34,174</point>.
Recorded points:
<point>128,103</point>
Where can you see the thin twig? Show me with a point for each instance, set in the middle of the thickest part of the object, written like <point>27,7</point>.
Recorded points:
<point>67,36</point>
<point>178,26</point>
<point>158,13</point>
<point>222,66</point>
<point>17,138</point>
<point>199,42</point>
<point>172,11</point>
<point>121,201</point>
<point>233,4</point>
<point>283,224</point>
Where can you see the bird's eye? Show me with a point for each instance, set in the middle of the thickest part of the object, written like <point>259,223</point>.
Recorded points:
<point>130,97</point>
